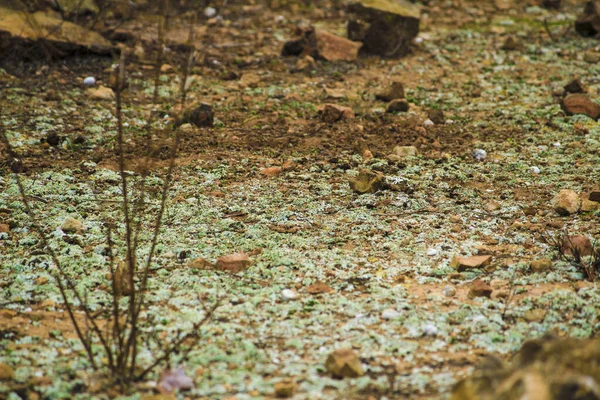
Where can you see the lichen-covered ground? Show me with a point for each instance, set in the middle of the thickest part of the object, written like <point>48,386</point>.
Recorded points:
<point>385,251</point>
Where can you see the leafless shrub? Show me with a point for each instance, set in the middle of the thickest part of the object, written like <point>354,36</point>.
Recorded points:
<point>580,252</point>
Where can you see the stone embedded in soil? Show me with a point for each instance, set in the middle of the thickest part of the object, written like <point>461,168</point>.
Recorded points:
<point>591,57</point>
<point>575,86</point>
<point>479,154</point>
<point>333,113</point>
<point>541,265</point>
<point>580,104</point>
<point>576,245</point>
<point>6,372</point>
<point>200,263</point>
<point>343,363</point>
<point>449,291</point>
<point>4,228</point>
<point>464,263</point>
<point>285,389</point>
<point>289,294</point>
<point>479,288</point>
<point>53,139</point>
<point>72,225</point>
<point>390,313</point>
<point>200,114</point>
<point>305,63</point>
<point>101,93</point>
<point>535,315</point>
<point>588,22</point>
<point>393,92</point>
<point>397,105</point>
<point>594,195</point>
<point>234,263</point>
<point>511,44</point>
<point>437,116</point>
<point>367,182</point>
<point>318,288</point>
<point>321,45</point>
<point>385,27</point>
<point>271,171</point>
<point>566,202</point>
<point>402,152</point>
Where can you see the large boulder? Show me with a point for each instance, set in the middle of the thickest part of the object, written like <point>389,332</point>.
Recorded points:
<point>40,30</point>
<point>385,27</point>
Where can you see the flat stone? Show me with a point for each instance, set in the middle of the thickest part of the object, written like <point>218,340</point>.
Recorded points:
<point>234,263</point>
<point>101,93</point>
<point>465,263</point>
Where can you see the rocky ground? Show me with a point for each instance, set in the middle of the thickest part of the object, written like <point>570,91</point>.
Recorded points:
<point>373,228</point>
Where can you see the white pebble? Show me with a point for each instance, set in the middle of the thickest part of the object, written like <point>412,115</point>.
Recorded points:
<point>449,121</point>
<point>479,319</point>
<point>418,39</point>
<point>390,313</point>
<point>479,154</point>
<point>279,18</point>
<point>210,12</point>
<point>289,294</point>
<point>449,291</point>
<point>556,144</point>
<point>535,170</point>
<point>89,81</point>
<point>428,122</point>
<point>430,330</point>
<point>432,252</point>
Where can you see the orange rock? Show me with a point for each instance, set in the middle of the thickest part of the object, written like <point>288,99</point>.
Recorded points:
<point>318,288</point>
<point>577,244</point>
<point>464,263</point>
<point>580,104</point>
<point>479,289</point>
<point>272,171</point>
<point>234,263</point>
<point>333,113</point>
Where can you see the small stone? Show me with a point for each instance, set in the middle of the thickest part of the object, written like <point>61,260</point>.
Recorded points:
<point>479,289</point>
<point>367,182</point>
<point>566,202</point>
<point>289,294</point>
<point>591,57</point>
<point>89,81</point>
<point>479,154</point>
<point>588,205</point>
<point>580,104</point>
<point>577,245</point>
<point>393,92</point>
<point>390,313</point>
<point>4,228</point>
<point>47,303</point>
<point>71,225</point>
<point>320,44</point>
<point>234,263</point>
<point>575,86</point>
<point>541,265</point>
<point>210,12</point>
<point>397,105</point>
<point>428,122</point>
<point>437,116</point>
<point>432,252</point>
<point>101,93</point>
<point>430,330</point>
<point>305,63</point>
<point>463,263</point>
<point>333,113</point>
<point>449,291</point>
<point>344,363</point>
<point>53,139</point>
<point>530,211</point>
<point>535,170</point>
<point>511,44</point>
<point>318,288</point>
<point>285,389</point>
<point>535,315</point>
<point>455,219</point>
<point>272,171</point>
<point>166,68</point>
<point>187,127</point>
<point>402,152</point>
<point>594,195</point>
<point>200,114</point>
<point>41,280</point>
<point>6,372</point>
